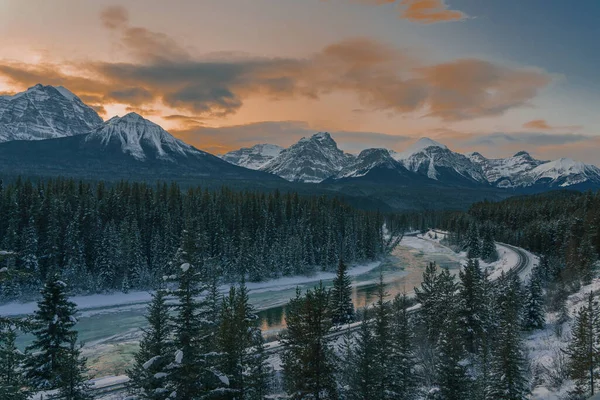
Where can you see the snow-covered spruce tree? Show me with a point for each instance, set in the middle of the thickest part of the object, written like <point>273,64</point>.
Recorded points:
<point>308,359</point>
<point>13,384</point>
<point>451,374</point>
<point>486,343</point>
<point>361,374</point>
<point>241,344</point>
<point>472,305</point>
<point>148,374</point>
<point>427,296</point>
<point>28,253</point>
<point>74,385</point>
<point>341,296</point>
<point>54,361</point>
<point>193,372</point>
<point>509,375</point>
<point>382,340</point>
<point>583,350</point>
<point>404,380</point>
<point>488,247</point>
<point>473,243</point>
<point>535,316</point>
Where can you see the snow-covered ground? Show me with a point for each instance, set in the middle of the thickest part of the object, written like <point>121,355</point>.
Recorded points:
<point>546,347</point>
<point>89,305</point>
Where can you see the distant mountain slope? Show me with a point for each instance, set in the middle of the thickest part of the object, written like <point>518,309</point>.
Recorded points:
<point>128,146</point>
<point>377,166</point>
<point>254,157</point>
<point>310,160</point>
<point>44,112</point>
<point>435,161</point>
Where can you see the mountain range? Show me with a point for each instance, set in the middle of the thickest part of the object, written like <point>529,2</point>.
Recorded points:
<point>48,131</point>
<point>318,159</point>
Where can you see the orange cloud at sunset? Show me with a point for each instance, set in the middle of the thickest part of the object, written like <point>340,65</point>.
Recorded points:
<point>422,11</point>
<point>429,11</point>
<point>162,74</point>
<point>537,124</point>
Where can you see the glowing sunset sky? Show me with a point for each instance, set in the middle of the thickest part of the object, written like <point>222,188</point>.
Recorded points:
<point>492,76</point>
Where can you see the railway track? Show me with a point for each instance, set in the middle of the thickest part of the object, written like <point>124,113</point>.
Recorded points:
<point>276,347</point>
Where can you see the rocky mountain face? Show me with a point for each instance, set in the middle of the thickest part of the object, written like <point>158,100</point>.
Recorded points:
<point>254,157</point>
<point>47,130</point>
<point>375,165</point>
<point>123,147</point>
<point>141,139</point>
<point>44,112</point>
<point>434,160</point>
<point>311,160</point>
<point>318,159</point>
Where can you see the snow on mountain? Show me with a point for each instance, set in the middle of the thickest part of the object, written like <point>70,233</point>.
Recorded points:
<point>375,165</point>
<point>522,170</point>
<point>254,157</point>
<point>44,112</point>
<point>366,161</point>
<point>434,160</point>
<point>141,138</point>
<point>418,147</point>
<point>507,172</point>
<point>310,160</point>
<point>119,149</point>
<point>564,172</point>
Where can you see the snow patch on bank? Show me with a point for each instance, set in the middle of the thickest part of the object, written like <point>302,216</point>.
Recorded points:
<point>115,302</point>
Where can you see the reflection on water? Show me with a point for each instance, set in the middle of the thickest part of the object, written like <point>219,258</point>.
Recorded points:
<point>401,273</point>
<point>107,333</point>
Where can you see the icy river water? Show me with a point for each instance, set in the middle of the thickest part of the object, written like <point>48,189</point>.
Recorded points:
<point>111,334</point>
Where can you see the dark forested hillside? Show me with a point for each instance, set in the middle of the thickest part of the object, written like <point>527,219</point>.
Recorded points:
<point>122,236</point>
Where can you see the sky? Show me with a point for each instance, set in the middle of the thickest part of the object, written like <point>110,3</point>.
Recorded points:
<point>490,76</point>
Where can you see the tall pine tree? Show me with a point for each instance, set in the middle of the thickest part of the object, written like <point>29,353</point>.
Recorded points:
<point>341,296</point>
<point>308,360</point>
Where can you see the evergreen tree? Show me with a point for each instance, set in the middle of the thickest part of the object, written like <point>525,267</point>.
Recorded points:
<point>13,384</point>
<point>194,372</point>
<point>241,343</point>
<point>473,244</point>
<point>508,375</point>
<point>488,247</point>
<point>472,305</point>
<point>534,307</point>
<point>362,374</point>
<point>149,372</point>
<point>308,360</point>
<point>74,385</point>
<point>341,296</point>
<point>382,344</point>
<point>427,296</point>
<point>55,362</point>
<point>452,378</point>
<point>404,380</point>
<point>583,350</point>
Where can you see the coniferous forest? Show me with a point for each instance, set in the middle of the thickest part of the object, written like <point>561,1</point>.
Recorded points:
<point>461,337</point>
<point>101,238</point>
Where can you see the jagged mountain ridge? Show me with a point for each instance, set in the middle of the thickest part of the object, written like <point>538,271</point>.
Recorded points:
<point>45,112</point>
<point>123,147</point>
<point>310,160</point>
<point>254,157</point>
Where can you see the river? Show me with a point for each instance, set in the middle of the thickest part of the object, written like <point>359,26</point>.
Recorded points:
<point>111,335</point>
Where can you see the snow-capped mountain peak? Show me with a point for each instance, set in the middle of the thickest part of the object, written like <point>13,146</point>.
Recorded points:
<point>565,172</point>
<point>253,157</point>
<point>311,159</point>
<point>44,112</point>
<point>417,147</point>
<point>140,138</point>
